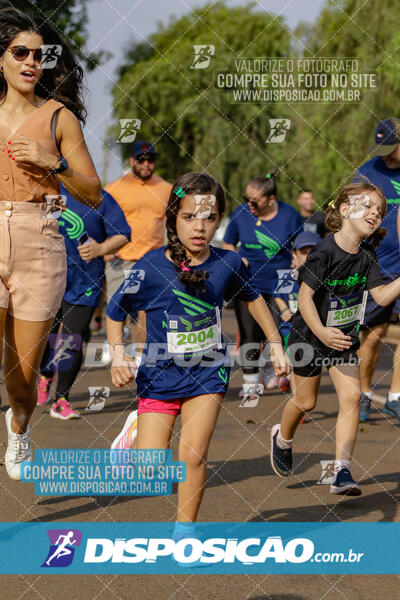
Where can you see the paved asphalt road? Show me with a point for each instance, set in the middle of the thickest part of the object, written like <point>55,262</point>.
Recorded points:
<point>242,487</point>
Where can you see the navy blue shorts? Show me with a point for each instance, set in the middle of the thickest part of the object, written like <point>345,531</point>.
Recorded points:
<point>375,314</point>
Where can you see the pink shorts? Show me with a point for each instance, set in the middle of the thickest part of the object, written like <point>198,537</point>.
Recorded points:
<point>153,405</point>
<point>33,264</point>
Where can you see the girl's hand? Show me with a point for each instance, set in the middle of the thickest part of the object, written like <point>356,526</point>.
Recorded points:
<point>280,360</point>
<point>123,367</point>
<point>286,315</point>
<point>90,251</point>
<point>23,150</point>
<point>335,338</point>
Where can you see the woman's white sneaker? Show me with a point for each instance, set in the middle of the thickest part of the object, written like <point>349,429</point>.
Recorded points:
<point>18,449</point>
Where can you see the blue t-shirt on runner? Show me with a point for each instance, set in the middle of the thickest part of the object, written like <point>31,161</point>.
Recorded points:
<point>266,246</point>
<point>85,279</point>
<point>389,181</point>
<point>181,324</point>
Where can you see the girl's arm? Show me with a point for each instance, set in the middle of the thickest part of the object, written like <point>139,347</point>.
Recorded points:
<point>284,309</point>
<point>329,336</point>
<point>386,294</point>
<point>109,246</point>
<point>261,313</point>
<point>121,373</point>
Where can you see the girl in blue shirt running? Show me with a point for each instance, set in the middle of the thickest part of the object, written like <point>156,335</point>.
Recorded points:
<point>181,287</point>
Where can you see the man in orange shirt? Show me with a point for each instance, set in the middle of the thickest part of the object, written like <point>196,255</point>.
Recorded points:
<point>143,198</point>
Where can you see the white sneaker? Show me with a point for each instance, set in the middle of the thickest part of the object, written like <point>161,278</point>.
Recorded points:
<point>127,436</point>
<point>18,449</point>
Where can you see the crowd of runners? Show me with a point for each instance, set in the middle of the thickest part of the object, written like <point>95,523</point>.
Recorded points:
<point>310,289</point>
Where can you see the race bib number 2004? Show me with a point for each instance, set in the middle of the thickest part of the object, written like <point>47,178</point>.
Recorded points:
<point>194,334</point>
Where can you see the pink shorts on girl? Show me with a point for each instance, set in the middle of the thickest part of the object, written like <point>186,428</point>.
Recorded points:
<point>153,405</point>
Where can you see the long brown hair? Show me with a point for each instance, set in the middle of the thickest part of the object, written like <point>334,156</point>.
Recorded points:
<point>64,82</point>
<point>189,183</point>
<point>334,219</point>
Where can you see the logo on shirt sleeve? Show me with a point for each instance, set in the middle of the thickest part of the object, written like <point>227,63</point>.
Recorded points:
<point>285,282</point>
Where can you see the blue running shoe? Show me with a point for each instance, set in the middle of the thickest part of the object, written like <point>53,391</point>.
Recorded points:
<point>365,407</point>
<point>281,459</point>
<point>392,408</point>
<point>344,484</point>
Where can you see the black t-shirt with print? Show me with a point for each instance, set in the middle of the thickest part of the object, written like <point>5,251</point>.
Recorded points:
<point>338,279</point>
<point>315,223</point>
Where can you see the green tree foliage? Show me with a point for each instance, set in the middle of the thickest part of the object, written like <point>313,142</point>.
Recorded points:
<point>192,124</point>
<point>196,128</point>
<point>69,19</point>
<point>341,133</point>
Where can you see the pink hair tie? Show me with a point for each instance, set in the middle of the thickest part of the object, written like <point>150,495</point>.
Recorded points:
<point>184,267</point>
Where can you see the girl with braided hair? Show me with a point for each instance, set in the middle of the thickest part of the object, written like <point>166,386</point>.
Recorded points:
<point>181,287</point>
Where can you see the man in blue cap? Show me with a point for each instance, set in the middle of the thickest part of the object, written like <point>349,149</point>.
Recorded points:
<point>383,170</point>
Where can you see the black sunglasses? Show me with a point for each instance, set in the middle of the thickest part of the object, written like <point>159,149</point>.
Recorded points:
<point>144,157</point>
<point>22,52</point>
<point>246,199</point>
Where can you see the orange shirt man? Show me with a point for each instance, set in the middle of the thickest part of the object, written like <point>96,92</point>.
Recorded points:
<point>143,197</point>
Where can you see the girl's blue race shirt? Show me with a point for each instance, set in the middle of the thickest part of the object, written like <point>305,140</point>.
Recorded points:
<point>185,353</point>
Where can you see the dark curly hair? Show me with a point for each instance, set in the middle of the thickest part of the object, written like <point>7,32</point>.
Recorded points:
<point>64,82</point>
<point>334,219</point>
<point>190,183</point>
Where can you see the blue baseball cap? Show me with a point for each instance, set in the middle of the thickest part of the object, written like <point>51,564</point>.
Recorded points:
<point>142,147</point>
<point>387,137</point>
<point>306,238</point>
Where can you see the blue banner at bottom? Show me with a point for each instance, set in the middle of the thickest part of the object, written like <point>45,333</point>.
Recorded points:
<point>207,548</point>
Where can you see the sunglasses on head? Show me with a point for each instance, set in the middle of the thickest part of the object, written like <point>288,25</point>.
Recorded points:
<point>22,52</point>
<point>142,158</point>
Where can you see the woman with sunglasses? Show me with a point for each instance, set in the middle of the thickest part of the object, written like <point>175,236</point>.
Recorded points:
<point>41,144</point>
<point>265,227</point>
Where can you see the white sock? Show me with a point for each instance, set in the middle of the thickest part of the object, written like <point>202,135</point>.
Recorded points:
<point>341,464</point>
<point>283,444</point>
<point>250,378</point>
<point>393,396</point>
<point>368,394</point>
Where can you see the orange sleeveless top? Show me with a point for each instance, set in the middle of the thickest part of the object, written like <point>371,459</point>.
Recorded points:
<point>29,183</point>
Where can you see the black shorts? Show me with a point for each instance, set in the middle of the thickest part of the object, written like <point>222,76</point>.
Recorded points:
<point>307,361</point>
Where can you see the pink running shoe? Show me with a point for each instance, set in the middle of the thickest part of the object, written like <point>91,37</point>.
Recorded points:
<point>127,436</point>
<point>63,410</point>
<point>43,390</point>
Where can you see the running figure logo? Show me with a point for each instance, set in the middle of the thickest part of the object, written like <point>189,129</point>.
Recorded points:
<point>55,205</point>
<point>202,55</point>
<point>285,282</point>
<point>129,129</point>
<point>63,346</point>
<point>50,54</point>
<point>98,397</point>
<point>279,129</point>
<point>133,280</point>
<point>62,547</point>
